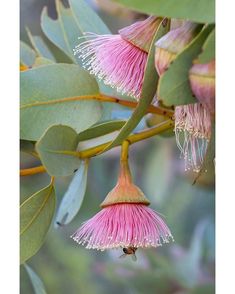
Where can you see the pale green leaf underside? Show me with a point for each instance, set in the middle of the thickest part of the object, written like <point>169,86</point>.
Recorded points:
<point>35,280</point>
<point>73,197</point>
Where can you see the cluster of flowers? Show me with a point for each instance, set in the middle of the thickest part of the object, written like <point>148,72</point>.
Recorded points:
<point>119,60</point>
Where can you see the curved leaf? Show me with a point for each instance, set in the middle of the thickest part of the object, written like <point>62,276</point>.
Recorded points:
<point>36,214</point>
<point>73,197</point>
<point>40,46</point>
<point>148,90</point>
<point>174,87</point>
<point>27,54</point>
<point>208,49</point>
<point>87,19</point>
<point>202,11</point>
<point>63,31</point>
<point>100,130</point>
<point>50,95</point>
<point>35,280</point>
<point>57,149</point>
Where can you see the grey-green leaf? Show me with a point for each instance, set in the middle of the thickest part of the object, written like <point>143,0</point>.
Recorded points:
<point>174,87</point>
<point>57,150</point>
<point>87,19</point>
<point>202,11</point>
<point>35,280</point>
<point>27,54</point>
<point>148,90</point>
<point>63,31</point>
<point>73,197</point>
<point>50,95</point>
<point>40,46</point>
<point>101,129</point>
<point>36,214</point>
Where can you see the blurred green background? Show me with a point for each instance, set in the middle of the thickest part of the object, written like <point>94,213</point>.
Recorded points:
<point>185,266</point>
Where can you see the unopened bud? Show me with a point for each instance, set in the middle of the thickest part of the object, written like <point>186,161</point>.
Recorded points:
<point>202,81</point>
<point>172,44</point>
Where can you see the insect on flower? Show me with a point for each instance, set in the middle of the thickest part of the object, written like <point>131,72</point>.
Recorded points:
<point>129,251</point>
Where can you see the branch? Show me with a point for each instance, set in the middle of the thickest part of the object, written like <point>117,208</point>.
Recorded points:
<point>103,98</point>
<point>91,152</point>
<point>32,170</point>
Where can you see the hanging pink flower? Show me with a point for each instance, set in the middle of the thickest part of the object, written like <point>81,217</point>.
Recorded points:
<point>125,220</point>
<point>119,60</point>
<point>193,132</point>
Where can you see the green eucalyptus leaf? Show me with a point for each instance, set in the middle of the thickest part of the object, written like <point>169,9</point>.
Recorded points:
<point>47,98</point>
<point>57,150</point>
<point>31,184</point>
<point>63,31</point>
<point>36,214</point>
<point>40,46</point>
<point>27,54</point>
<point>148,90</point>
<point>174,87</point>
<point>87,19</point>
<point>100,130</point>
<point>202,11</point>
<point>73,197</point>
<point>35,280</point>
<point>208,49</point>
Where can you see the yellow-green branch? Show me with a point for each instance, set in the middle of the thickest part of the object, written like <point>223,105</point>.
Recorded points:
<point>102,98</point>
<point>91,152</point>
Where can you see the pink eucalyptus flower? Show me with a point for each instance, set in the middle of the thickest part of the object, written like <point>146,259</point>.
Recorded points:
<point>119,60</point>
<point>125,220</point>
<point>193,132</point>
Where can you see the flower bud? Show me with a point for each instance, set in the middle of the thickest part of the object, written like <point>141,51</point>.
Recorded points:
<point>202,81</point>
<point>172,44</point>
